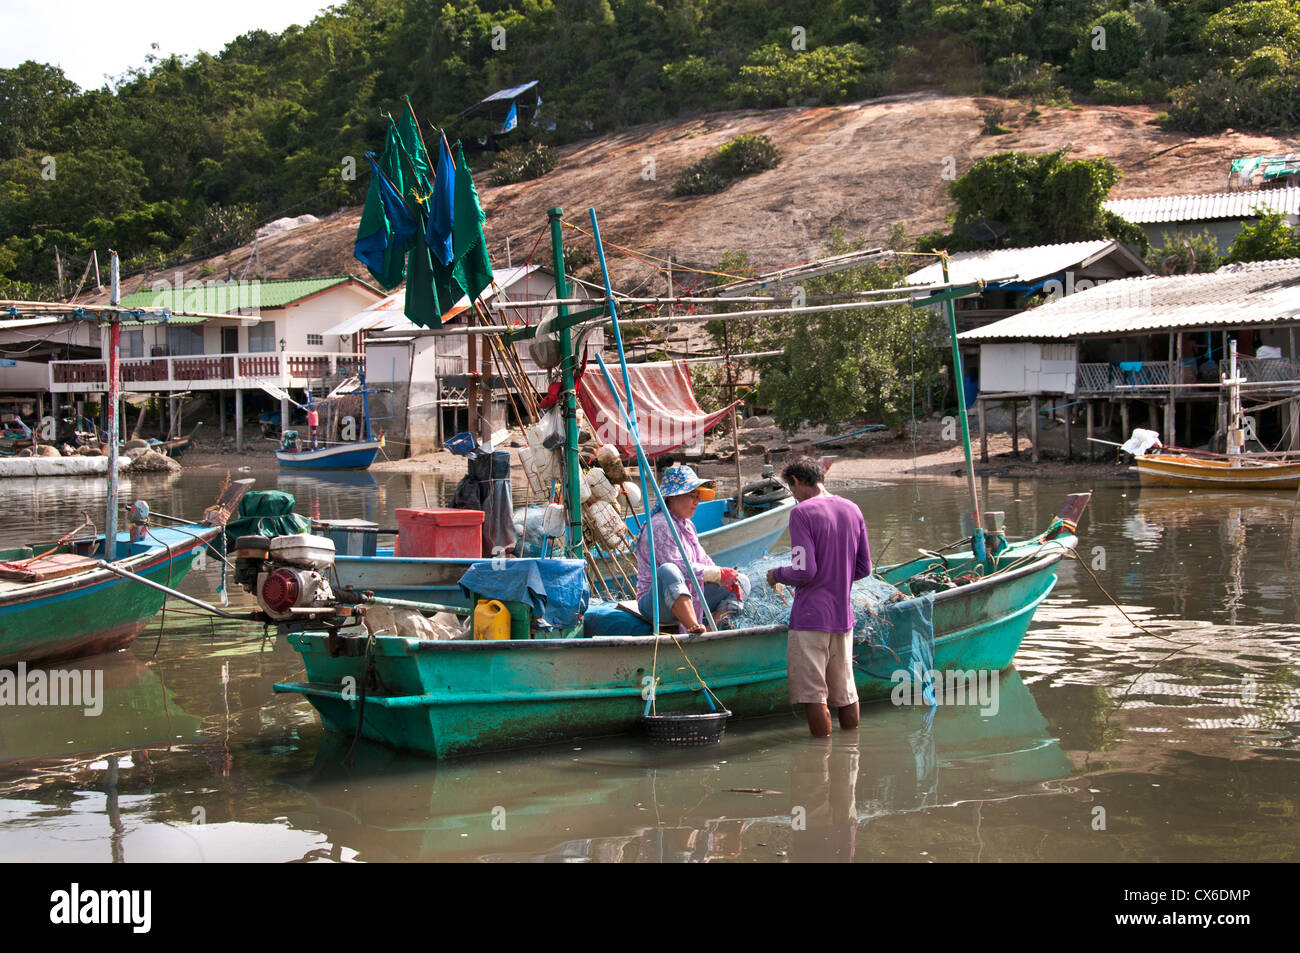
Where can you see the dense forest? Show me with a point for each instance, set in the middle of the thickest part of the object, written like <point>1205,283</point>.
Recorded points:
<point>184,157</point>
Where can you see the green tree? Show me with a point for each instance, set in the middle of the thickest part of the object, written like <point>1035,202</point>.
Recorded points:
<point>1184,253</point>
<point>1269,239</point>
<point>1041,199</point>
<point>874,364</point>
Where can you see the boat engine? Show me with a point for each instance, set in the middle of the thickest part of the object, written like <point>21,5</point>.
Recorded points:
<point>285,573</point>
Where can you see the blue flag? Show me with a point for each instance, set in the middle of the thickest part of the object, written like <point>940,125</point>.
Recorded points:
<point>386,227</point>
<point>442,206</point>
<point>512,119</point>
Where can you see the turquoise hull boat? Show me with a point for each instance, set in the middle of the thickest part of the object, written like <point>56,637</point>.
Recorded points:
<point>450,698</point>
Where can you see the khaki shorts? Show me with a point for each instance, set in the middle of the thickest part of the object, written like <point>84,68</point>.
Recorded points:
<point>820,666</point>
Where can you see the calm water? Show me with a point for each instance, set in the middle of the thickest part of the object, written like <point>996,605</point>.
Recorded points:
<point>1183,739</point>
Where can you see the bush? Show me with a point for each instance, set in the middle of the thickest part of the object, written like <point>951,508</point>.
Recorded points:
<point>773,76</point>
<point>742,156</point>
<point>521,163</point>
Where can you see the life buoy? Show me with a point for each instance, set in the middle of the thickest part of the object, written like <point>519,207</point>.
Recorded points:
<point>763,494</point>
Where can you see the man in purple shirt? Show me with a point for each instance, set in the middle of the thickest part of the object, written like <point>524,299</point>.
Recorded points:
<point>828,551</point>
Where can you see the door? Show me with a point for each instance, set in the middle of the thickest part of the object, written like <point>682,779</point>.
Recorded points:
<point>229,340</point>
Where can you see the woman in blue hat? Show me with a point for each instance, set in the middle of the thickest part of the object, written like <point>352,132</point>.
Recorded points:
<point>725,589</point>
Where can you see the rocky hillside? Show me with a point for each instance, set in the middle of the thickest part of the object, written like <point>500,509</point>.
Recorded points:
<point>859,167</point>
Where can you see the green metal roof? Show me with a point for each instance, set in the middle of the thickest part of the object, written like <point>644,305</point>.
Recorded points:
<point>226,297</point>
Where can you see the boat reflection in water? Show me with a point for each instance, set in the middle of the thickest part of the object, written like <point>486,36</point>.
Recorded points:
<point>769,792</point>
<point>127,706</point>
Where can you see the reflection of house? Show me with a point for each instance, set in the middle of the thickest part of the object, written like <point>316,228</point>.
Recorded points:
<point>434,375</point>
<point>1157,341</point>
<point>1221,215</point>
<point>227,336</point>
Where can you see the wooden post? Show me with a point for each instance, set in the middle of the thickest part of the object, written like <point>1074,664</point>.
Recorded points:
<point>1069,446</point>
<point>1089,455</point>
<point>1295,425</point>
<point>984,430</point>
<point>1170,436</point>
<point>239,419</point>
<point>221,412</point>
<point>471,390</point>
<point>1015,430</point>
<point>1033,429</point>
<point>1125,432</point>
<point>485,372</point>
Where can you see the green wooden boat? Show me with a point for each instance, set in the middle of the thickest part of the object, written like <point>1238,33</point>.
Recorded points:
<point>450,698</point>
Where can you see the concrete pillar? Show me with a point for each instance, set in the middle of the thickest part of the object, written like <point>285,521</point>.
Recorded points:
<point>1015,430</point>
<point>1170,436</point>
<point>1089,413</point>
<point>221,413</point>
<point>1294,407</point>
<point>239,419</point>
<point>1033,429</point>
<point>984,430</point>
<point>284,414</point>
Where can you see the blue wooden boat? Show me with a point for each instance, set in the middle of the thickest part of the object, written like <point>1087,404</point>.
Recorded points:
<point>357,455</point>
<point>429,579</point>
<point>449,698</point>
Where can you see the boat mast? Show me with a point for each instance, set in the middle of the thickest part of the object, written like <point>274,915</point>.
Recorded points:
<point>569,400</point>
<point>977,530</point>
<point>365,401</point>
<point>114,396</point>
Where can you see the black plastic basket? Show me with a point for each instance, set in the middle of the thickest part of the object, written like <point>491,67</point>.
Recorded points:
<point>686,730</point>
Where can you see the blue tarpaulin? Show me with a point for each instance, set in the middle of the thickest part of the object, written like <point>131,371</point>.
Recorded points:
<point>556,589</point>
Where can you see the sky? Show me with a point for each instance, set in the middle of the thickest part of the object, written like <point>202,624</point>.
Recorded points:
<point>89,40</point>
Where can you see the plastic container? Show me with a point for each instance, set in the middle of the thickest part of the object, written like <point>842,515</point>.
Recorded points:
<point>553,520</point>
<point>521,619</point>
<point>350,537</point>
<point>491,620</point>
<point>633,494</point>
<point>706,493</point>
<point>601,488</point>
<point>312,552</point>
<point>439,533</point>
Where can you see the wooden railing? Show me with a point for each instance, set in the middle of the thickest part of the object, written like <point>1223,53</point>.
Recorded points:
<point>1150,375</point>
<point>216,371</point>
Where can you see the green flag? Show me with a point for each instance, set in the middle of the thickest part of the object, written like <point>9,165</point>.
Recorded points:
<point>470,270</point>
<point>381,240</point>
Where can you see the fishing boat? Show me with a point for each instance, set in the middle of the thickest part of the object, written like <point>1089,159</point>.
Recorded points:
<point>349,455</point>
<point>449,698</point>
<point>64,601</point>
<point>1234,470</point>
<point>444,698</point>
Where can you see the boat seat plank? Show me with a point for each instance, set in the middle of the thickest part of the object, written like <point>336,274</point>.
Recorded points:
<point>43,568</point>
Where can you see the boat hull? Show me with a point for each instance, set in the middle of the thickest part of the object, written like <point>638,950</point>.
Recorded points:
<point>1209,472</point>
<point>444,699</point>
<point>438,579</point>
<point>94,611</point>
<point>346,456</point>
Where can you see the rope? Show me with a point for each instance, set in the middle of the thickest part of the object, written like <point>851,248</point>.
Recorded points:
<point>1115,603</point>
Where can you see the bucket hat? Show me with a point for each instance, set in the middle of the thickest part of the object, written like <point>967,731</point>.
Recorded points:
<point>678,480</point>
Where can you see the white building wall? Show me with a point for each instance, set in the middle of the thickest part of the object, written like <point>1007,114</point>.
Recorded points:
<point>1028,368</point>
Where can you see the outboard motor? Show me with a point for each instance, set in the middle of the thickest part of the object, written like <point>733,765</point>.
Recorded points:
<point>289,576</point>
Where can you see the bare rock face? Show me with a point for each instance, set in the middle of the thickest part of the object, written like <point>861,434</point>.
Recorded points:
<point>151,461</point>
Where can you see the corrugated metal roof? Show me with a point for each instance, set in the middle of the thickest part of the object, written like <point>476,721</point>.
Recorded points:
<point>1207,207</point>
<point>1234,296</point>
<point>220,297</point>
<point>1023,264</point>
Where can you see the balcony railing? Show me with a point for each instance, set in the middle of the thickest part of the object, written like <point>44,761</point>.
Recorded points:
<point>1134,376</point>
<point>206,371</point>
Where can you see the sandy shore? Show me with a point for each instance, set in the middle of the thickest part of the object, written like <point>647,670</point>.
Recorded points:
<point>881,455</point>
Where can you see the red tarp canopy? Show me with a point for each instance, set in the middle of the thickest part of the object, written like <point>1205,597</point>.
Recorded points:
<point>667,414</point>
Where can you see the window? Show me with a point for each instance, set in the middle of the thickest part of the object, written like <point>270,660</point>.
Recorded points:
<point>132,343</point>
<point>184,340</point>
<point>261,336</point>
<point>315,340</point>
